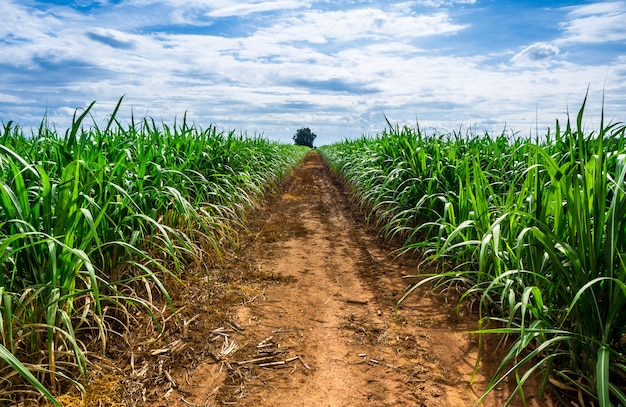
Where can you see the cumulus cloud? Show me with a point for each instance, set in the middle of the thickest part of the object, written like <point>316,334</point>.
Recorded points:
<point>536,54</point>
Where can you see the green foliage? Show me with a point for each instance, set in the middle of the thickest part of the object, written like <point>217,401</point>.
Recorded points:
<point>535,230</point>
<point>304,137</point>
<point>87,215</point>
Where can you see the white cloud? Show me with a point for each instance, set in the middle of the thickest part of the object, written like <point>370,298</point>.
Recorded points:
<point>187,10</point>
<point>597,8</point>
<point>245,8</point>
<point>20,23</point>
<point>5,98</point>
<point>431,3</point>
<point>360,24</point>
<point>539,54</point>
<point>595,23</point>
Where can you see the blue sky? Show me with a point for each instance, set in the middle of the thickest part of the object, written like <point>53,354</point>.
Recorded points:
<point>338,67</point>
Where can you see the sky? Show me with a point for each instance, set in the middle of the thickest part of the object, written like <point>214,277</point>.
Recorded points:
<point>341,67</point>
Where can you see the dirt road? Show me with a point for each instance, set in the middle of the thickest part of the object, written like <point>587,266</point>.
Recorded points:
<point>314,322</point>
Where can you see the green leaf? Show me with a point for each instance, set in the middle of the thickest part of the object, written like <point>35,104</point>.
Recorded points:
<point>25,373</point>
<point>602,376</point>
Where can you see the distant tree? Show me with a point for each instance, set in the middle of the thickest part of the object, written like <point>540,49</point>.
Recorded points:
<point>304,137</point>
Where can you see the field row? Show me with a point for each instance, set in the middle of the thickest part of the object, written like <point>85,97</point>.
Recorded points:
<point>93,220</point>
<point>533,231</point>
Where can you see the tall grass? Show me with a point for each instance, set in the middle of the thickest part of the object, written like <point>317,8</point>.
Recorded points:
<point>534,230</point>
<point>86,214</point>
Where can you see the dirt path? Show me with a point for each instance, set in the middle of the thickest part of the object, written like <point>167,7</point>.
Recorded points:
<point>323,318</point>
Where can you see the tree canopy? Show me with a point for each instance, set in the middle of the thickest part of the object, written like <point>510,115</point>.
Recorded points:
<point>304,137</point>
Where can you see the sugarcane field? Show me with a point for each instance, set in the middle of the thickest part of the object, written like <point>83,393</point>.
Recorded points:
<point>313,203</point>
<point>150,264</point>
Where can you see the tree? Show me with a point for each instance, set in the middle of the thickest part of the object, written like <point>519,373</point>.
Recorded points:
<point>304,137</point>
